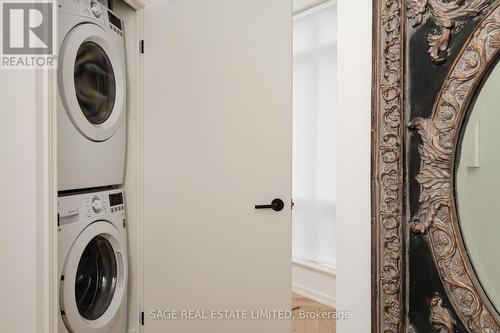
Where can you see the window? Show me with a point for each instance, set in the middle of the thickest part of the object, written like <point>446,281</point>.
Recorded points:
<point>314,135</point>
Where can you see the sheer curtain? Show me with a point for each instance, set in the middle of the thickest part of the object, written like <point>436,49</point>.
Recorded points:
<point>314,138</point>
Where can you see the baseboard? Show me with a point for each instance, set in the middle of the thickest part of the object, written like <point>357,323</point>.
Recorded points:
<point>312,265</point>
<point>314,295</point>
<point>314,281</point>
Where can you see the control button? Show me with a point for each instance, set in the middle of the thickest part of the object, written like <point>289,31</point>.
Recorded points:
<point>95,8</point>
<point>97,205</point>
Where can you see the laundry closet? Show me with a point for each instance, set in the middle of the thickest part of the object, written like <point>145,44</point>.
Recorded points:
<point>205,93</point>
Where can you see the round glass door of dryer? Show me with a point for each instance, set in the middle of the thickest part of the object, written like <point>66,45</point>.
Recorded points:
<point>91,81</point>
<point>95,82</point>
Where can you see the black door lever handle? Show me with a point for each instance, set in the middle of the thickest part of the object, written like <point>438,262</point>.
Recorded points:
<point>276,204</point>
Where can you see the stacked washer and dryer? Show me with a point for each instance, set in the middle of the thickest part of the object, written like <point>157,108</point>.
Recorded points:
<point>92,241</point>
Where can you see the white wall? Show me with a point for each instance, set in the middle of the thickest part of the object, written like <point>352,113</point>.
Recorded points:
<point>353,164</point>
<point>24,235</point>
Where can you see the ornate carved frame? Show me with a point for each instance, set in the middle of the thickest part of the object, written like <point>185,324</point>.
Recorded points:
<point>437,214</point>
<point>388,167</point>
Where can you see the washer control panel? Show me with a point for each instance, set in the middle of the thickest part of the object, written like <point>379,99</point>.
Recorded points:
<point>80,208</point>
<point>96,205</point>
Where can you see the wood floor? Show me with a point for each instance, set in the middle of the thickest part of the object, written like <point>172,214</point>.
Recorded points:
<point>300,303</point>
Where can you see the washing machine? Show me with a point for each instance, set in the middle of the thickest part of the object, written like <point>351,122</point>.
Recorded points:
<point>92,262</point>
<point>92,96</point>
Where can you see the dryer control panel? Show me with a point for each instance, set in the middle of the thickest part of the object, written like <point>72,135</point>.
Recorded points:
<point>95,10</point>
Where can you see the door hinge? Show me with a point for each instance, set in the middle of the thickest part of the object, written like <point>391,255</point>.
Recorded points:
<point>141,46</point>
<point>292,204</point>
<point>58,220</point>
<point>141,318</point>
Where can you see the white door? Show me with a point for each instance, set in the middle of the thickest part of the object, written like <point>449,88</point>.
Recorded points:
<point>217,142</point>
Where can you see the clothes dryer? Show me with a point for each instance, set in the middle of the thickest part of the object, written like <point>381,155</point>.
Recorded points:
<point>92,96</point>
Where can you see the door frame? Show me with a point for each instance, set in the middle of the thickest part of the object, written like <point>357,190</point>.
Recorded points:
<point>47,307</point>
<point>46,201</point>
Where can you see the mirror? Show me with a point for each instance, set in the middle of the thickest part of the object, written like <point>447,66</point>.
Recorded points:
<point>477,185</point>
<point>436,167</point>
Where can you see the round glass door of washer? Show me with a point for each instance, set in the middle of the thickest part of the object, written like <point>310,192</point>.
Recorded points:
<point>96,278</point>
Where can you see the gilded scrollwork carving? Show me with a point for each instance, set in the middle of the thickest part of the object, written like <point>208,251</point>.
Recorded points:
<point>437,215</point>
<point>448,15</point>
<point>440,316</point>
<point>389,170</point>
<point>410,329</point>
